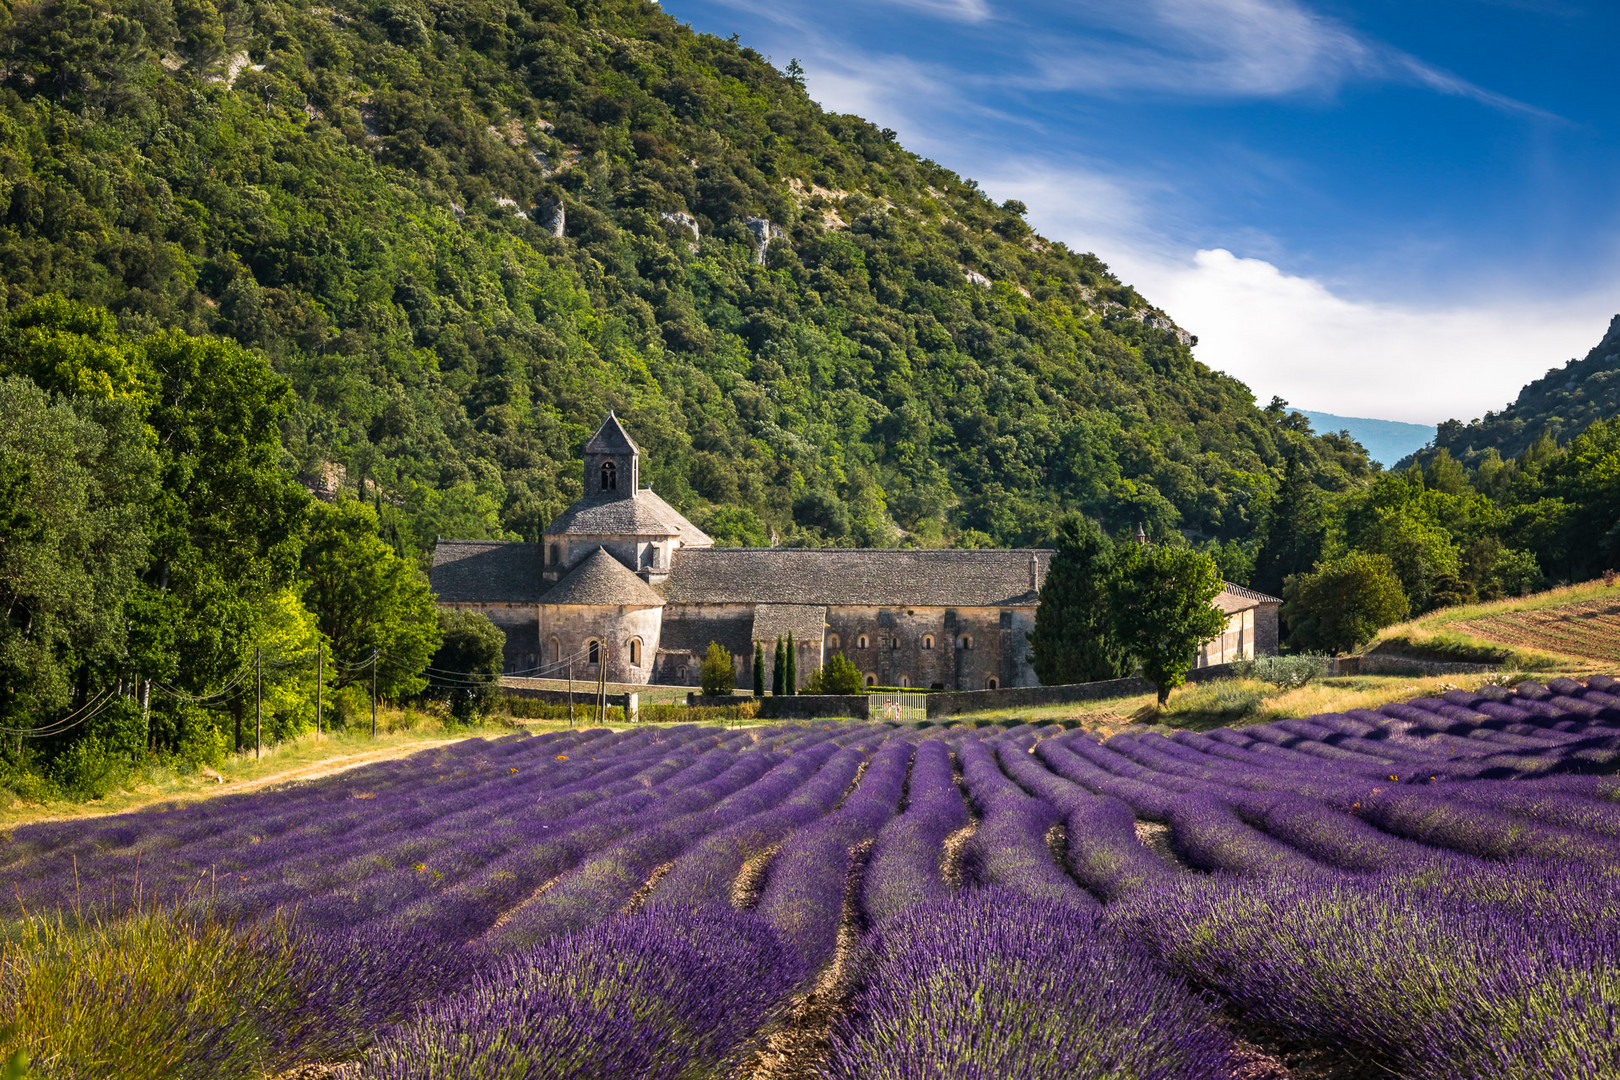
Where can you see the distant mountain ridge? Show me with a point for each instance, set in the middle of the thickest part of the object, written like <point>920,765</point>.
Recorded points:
<point>1386,441</point>
<point>1562,403</point>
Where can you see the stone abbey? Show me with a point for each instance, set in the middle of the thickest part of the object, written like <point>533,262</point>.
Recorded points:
<point>622,581</point>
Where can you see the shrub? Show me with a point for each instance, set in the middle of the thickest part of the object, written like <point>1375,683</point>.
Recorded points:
<point>1344,601</point>
<point>1285,672</point>
<point>840,676</point>
<point>717,676</point>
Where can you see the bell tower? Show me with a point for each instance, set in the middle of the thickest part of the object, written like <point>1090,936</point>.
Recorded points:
<point>612,462</point>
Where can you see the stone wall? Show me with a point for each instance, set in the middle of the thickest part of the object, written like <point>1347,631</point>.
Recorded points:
<point>1030,697</point>
<point>934,647</point>
<point>566,630</point>
<point>814,706</point>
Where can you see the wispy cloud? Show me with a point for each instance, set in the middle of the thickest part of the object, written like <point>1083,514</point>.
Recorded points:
<point>1229,49</point>
<point>970,11</point>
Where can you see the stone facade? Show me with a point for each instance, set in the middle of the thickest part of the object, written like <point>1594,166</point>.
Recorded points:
<point>622,581</point>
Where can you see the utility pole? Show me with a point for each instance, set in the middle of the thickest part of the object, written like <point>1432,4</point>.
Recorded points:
<point>570,693</point>
<point>374,693</point>
<point>320,677</point>
<point>258,703</point>
<point>601,687</point>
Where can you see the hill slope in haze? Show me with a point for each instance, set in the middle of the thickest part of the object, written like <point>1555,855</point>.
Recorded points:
<point>464,229</point>
<point>1387,441</point>
<point>1561,404</point>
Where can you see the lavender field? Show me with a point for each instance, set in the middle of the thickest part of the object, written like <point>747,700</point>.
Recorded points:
<point>1429,890</point>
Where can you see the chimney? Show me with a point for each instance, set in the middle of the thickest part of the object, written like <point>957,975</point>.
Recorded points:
<point>1034,586</point>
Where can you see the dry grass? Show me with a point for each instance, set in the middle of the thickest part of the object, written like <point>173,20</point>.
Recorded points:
<point>1557,630</point>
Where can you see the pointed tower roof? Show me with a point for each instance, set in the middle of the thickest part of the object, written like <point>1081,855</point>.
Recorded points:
<point>611,438</point>
<point>600,580</point>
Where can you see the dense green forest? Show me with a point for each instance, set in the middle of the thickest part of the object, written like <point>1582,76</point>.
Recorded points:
<point>367,194</point>
<point>1561,404</point>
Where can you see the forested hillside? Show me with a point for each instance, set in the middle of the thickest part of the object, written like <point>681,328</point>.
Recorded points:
<point>1560,405</point>
<point>462,230</point>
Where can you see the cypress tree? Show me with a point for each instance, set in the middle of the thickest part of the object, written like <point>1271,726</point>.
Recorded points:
<point>759,669</point>
<point>1075,638</point>
<point>777,670</point>
<point>1296,528</point>
<point>792,678</point>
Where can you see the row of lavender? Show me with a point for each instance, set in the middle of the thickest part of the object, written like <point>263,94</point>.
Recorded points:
<point>579,891</point>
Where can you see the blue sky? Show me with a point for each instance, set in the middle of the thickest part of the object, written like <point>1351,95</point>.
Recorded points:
<point>1389,208</point>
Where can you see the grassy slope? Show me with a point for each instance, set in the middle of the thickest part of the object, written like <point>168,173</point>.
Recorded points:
<point>1442,634</point>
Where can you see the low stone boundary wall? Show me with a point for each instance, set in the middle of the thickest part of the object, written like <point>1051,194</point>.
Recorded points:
<point>1391,664</point>
<point>952,702</point>
<point>815,706</point>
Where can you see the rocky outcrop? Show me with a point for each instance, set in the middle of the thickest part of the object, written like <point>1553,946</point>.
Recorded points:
<point>684,222</point>
<point>764,232</point>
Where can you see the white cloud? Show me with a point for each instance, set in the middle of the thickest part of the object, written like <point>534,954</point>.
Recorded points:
<point>1293,336</point>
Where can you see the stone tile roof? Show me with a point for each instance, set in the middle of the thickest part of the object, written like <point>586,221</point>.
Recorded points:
<point>1239,597</point>
<point>806,622</point>
<point>486,571</point>
<point>888,577</point>
<point>600,580</point>
<point>612,514</point>
<point>611,438</point>
<point>690,634</point>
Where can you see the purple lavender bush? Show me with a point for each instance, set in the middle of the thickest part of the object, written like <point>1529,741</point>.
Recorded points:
<point>659,995</point>
<point>996,986</point>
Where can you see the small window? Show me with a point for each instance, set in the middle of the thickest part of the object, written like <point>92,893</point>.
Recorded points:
<point>596,652</point>
<point>860,642</point>
<point>905,681</point>
<point>1006,620</point>
<point>894,643</point>
<point>610,476</point>
<point>871,680</point>
<point>965,641</point>
<point>635,652</point>
<point>556,649</point>
<point>556,554</point>
<point>832,642</point>
<point>928,641</point>
<point>680,673</point>
<point>991,683</point>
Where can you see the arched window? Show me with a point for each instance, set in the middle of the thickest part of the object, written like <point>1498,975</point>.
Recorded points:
<point>635,652</point>
<point>965,641</point>
<point>610,476</point>
<point>556,554</point>
<point>871,680</point>
<point>860,642</point>
<point>905,681</point>
<point>596,652</point>
<point>928,641</point>
<point>832,642</point>
<point>991,683</point>
<point>680,673</point>
<point>556,649</point>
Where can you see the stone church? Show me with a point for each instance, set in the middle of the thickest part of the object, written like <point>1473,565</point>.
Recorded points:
<point>621,581</point>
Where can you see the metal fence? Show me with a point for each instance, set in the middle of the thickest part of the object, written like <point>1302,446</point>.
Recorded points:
<point>899,707</point>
